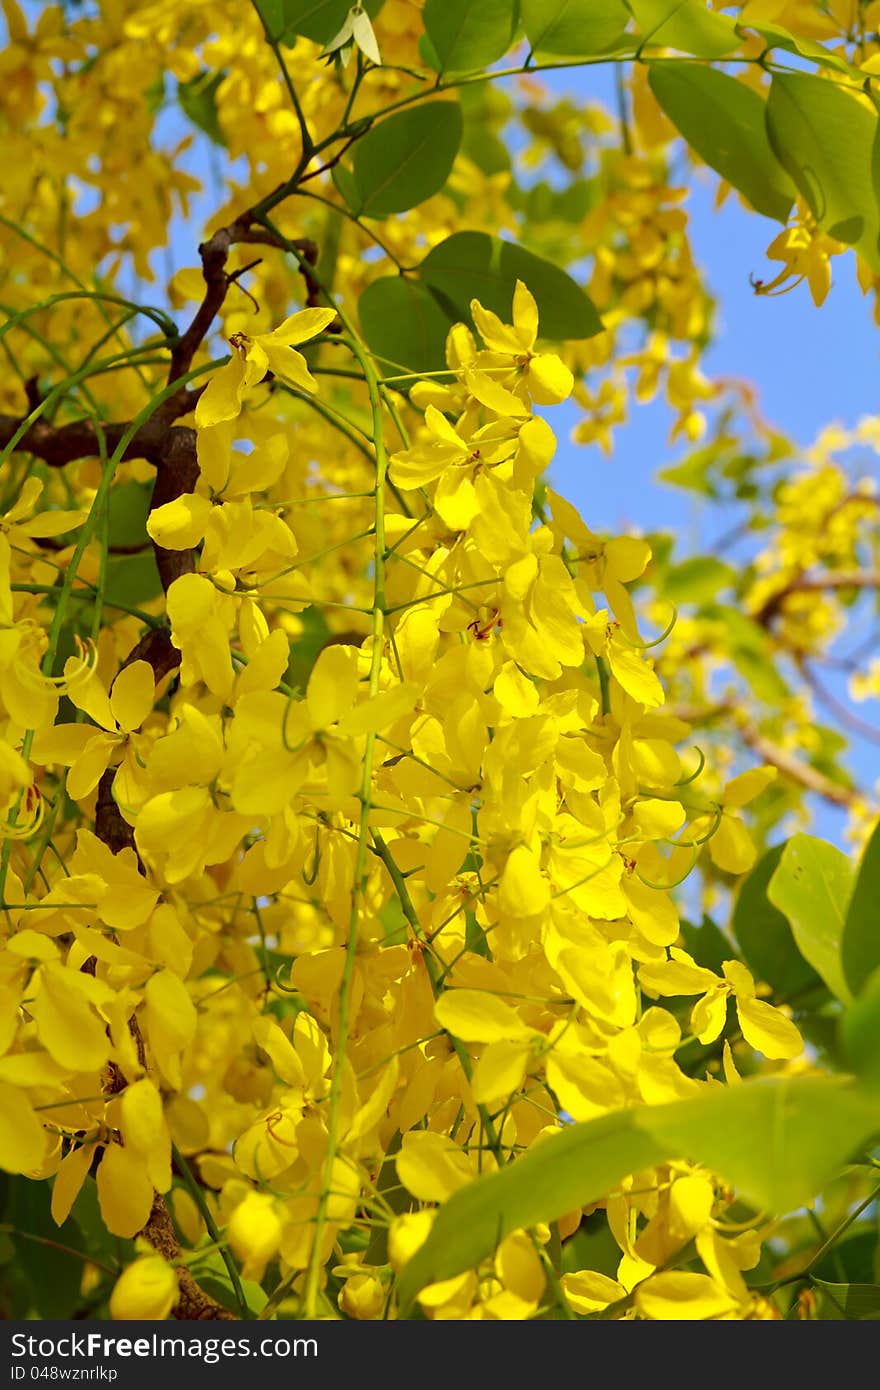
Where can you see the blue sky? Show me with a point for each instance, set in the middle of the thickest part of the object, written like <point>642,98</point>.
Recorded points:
<point>812,366</point>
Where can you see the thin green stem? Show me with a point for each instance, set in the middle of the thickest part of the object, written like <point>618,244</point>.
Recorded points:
<point>366,792</point>
<point>306,140</point>
<point>85,1256</point>
<point>349,216</point>
<point>198,1197</point>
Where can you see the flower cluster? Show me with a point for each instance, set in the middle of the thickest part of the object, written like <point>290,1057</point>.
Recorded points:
<point>407,917</point>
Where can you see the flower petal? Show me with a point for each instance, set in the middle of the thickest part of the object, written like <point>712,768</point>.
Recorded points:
<point>131,697</point>
<point>221,399</point>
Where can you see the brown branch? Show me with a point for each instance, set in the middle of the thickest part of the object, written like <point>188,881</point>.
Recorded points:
<point>816,583</point>
<point>860,727</point>
<point>176,474</point>
<point>787,763</point>
<point>193,1305</point>
<point>53,543</point>
<point>111,827</point>
<point>155,441</point>
<point>33,394</point>
<point>57,445</point>
<point>214,254</point>
<point>807,776</point>
<point>114,831</point>
<point>174,480</point>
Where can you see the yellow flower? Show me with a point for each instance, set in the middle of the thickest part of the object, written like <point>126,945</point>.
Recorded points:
<point>278,743</point>
<point>201,617</point>
<point>763,1027</point>
<point>474,1016</point>
<point>730,844</point>
<point>88,754</point>
<point>145,1132</point>
<point>252,358</point>
<point>545,375</point>
<point>22,523</point>
<point>806,253</point>
<point>407,1234</point>
<point>16,777</point>
<point>30,698</point>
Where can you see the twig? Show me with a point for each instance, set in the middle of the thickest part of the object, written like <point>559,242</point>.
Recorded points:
<point>816,583</point>
<point>798,771</point>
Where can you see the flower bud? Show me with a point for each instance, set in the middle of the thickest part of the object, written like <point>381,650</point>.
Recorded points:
<point>146,1290</point>
<point>254,1233</point>
<point>362,1297</point>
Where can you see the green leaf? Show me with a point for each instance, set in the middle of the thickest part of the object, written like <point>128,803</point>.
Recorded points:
<point>154,95</point>
<point>128,506</point>
<point>304,648</point>
<point>860,1033</point>
<point>591,1247</point>
<point>486,149</point>
<point>406,159</point>
<point>319,20</point>
<point>776,1139</point>
<point>764,936</point>
<point>132,580</point>
<point>760,675</point>
<point>542,203</point>
<point>272,14</point>
<point>693,473</point>
<point>54,1276</point>
<point>213,1276</point>
<point>824,137</point>
<point>404,324</point>
<point>473,265</point>
<point>469,34</point>
<point>706,942</point>
<point>860,949</point>
<point>576,1167</point>
<point>345,184</point>
<point>723,120</point>
<point>857,1302</point>
<point>777,37</point>
<point>487,110</point>
<point>198,101</point>
<point>697,580</point>
<point>853,1258</point>
<point>686,25</point>
<point>749,650</point>
<point>812,885</point>
<point>573,26</point>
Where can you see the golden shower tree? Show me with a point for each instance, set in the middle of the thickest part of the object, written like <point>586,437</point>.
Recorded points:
<point>358,798</point>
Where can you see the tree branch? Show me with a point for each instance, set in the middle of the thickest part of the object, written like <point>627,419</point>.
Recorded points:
<point>816,583</point>
<point>860,727</point>
<point>157,441</point>
<point>808,777</point>
<point>214,254</point>
<point>788,763</point>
